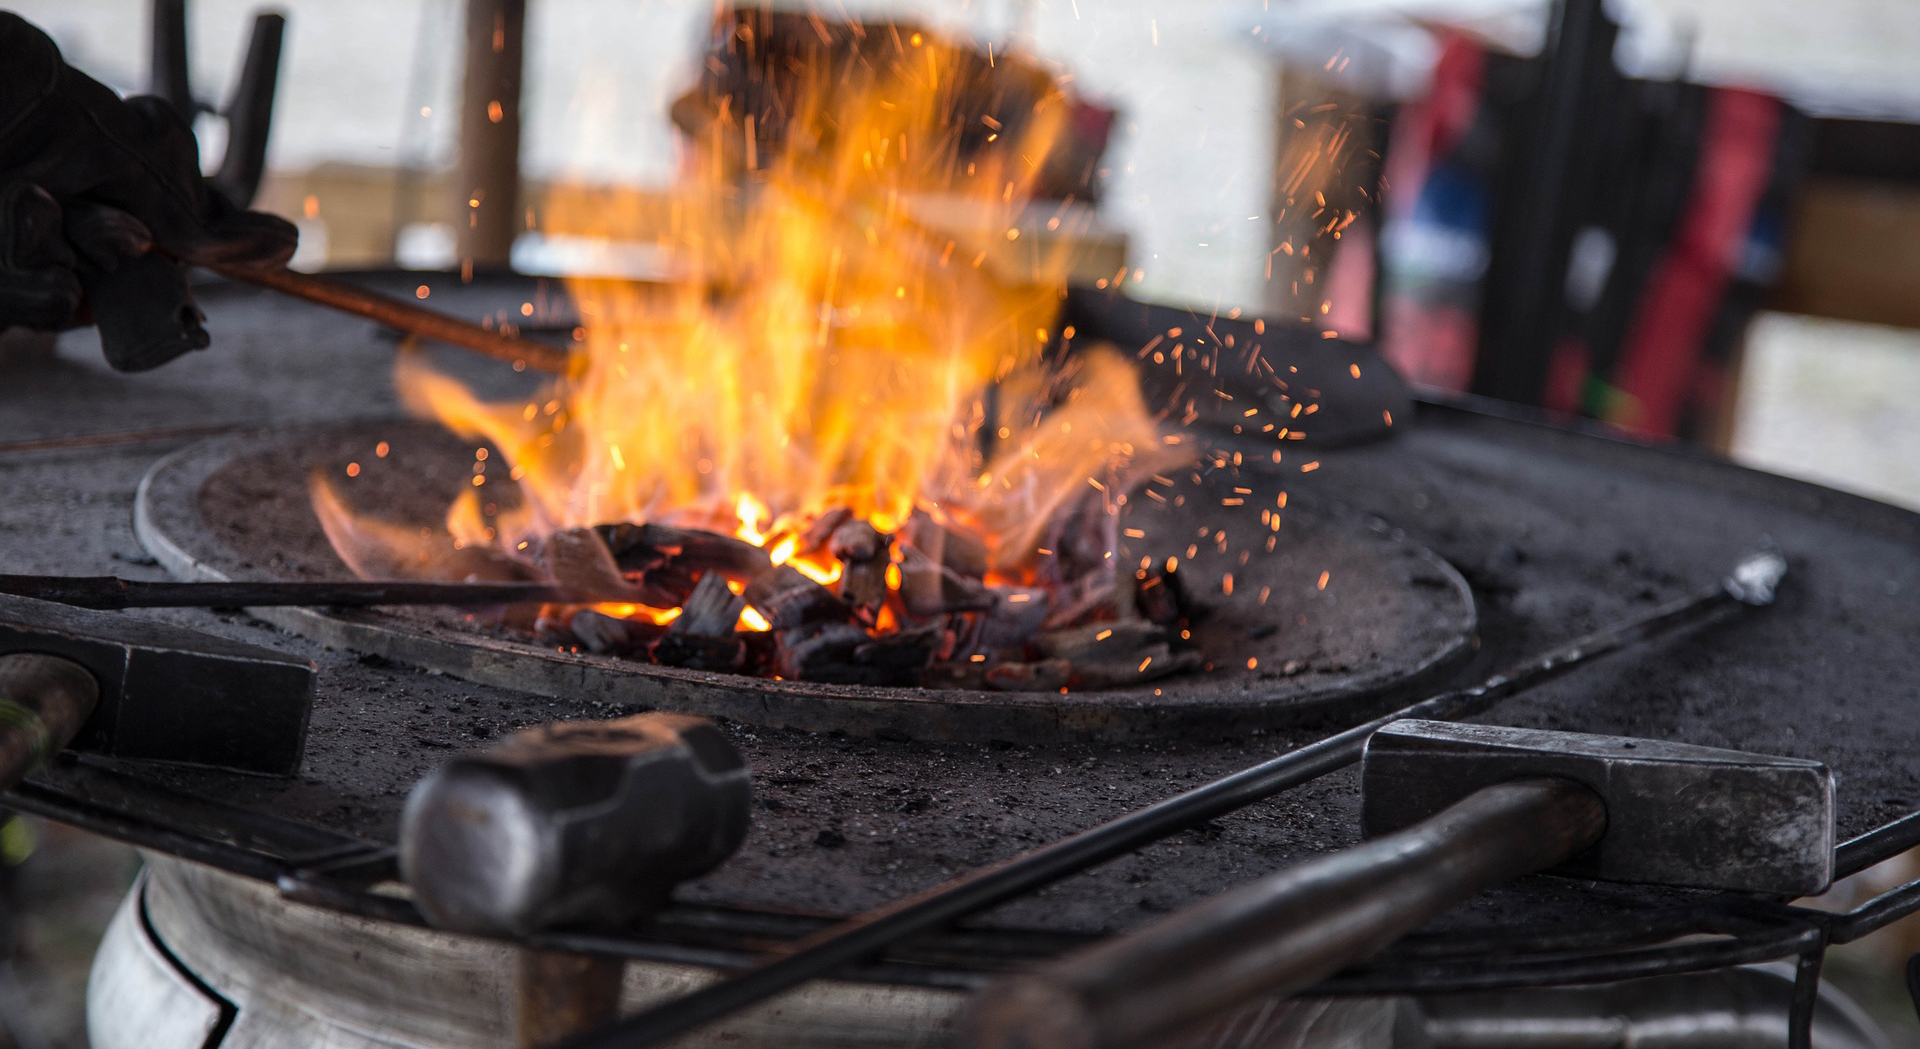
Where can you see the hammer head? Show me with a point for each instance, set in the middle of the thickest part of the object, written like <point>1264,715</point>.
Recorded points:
<point>1676,814</point>
<point>172,694</point>
<point>586,822</point>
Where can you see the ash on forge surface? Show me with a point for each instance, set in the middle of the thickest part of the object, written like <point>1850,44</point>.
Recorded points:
<point>1559,534</point>
<point>1280,646</point>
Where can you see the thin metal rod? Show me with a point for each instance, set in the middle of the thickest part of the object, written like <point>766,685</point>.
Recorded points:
<point>1479,973</point>
<point>141,830</point>
<point>167,66</point>
<point>407,317</point>
<point>113,593</point>
<point>1875,914</point>
<point>102,440</point>
<point>867,935</point>
<point>1274,935</point>
<point>1876,846</point>
<point>1806,995</point>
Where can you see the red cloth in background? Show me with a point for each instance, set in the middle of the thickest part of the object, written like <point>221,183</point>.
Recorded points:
<point>1672,241</point>
<point>1660,369</point>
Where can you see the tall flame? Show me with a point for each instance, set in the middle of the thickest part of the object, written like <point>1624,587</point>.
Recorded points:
<point>827,349</point>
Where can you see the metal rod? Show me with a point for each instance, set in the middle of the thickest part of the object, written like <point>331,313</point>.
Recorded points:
<point>1469,975</point>
<point>407,317</point>
<point>1274,935</point>
<point>865,936</point>
<point>102,440</point>
<point>1534,230</point>
<point>1806,995</point>
<point>1650,927</point>
<point>1875,914</point>
<point>249,112</point>
<point>113,593</point>
<point>167,68</point>
<point>141,830</point>
<point>1877,846</point>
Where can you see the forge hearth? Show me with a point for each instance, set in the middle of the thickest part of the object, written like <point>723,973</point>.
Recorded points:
<point>1555,534</point>
<point>1343,615</point>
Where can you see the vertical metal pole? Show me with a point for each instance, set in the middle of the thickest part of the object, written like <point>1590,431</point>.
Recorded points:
<point>489,173</point>
<point>250,112</point>
<point>1806,996</point>
<point>1545,174</point>
<point>167,73</point>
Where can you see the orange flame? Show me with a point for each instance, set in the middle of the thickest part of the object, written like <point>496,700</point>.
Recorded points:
<point>826,348</point>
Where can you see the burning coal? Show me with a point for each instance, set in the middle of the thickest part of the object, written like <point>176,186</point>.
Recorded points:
<point>840,448</point>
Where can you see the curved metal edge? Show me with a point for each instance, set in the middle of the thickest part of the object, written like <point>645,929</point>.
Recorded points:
<point>1591,441</point>
<point>138,995</point>
<point>947,715</point>
<point>337,980</point>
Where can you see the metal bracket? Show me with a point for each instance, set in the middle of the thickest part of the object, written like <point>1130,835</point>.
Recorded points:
<point>248,109</point>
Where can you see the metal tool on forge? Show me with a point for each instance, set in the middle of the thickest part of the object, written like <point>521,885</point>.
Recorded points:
<point>127,687</point>
<point>1451,810</point>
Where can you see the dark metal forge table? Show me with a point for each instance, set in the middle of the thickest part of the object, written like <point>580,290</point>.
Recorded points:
<point>1556,532</point>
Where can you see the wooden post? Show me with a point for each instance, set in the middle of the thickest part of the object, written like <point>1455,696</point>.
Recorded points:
<point>489,179</point>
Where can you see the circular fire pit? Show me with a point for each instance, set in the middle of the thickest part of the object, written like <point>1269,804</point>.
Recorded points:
<point>1342,616</point>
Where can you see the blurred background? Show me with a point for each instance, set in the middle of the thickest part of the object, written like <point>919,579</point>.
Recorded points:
<point>1216,104</point>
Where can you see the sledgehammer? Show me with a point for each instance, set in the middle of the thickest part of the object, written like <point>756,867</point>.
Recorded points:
<point>128,687</point>
<point>1452,810</point>
<point>573,823</point>
<point>580,823</point>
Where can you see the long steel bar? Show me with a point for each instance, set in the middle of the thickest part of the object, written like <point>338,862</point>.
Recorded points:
<point>114,593</point>
<point>1876,846</point>
<point>407,317</point>
<point>864,936</point>
<point>103,440</point>
<point>1877,913</point>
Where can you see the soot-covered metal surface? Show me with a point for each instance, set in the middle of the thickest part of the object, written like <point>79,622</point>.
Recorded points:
<point>1277,645</point>
<point>1557,533</point>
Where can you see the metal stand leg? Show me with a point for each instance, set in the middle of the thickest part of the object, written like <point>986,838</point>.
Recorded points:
<point>1806,993</point>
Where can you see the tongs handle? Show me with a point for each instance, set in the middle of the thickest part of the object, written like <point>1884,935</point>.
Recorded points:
<point>1277,935</point>
<point>404,316</point>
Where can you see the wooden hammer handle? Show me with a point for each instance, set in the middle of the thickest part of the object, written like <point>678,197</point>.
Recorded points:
<point>43,702</point>
<point>1279,934</point>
